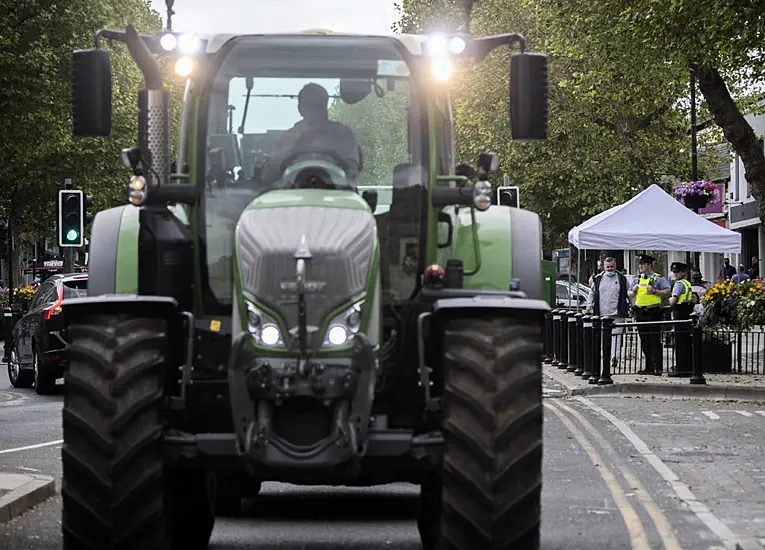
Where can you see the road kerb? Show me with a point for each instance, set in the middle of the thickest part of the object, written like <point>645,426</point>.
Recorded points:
<point>576,386</point>
<point>674,391</point>
<point>24,492</point>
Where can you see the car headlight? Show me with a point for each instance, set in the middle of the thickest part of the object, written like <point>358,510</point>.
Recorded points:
<point>263,328</point>
<point>342,328</point>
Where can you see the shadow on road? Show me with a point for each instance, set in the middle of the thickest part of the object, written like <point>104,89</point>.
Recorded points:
<point>336,507</point>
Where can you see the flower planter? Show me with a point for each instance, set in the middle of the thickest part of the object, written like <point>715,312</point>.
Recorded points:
<point>695,201</point>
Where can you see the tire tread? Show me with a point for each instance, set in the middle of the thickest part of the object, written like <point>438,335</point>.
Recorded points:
<point>112,489</point>
<point>492,476</point>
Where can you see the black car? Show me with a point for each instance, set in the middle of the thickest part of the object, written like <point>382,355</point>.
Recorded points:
<point>38,339</point>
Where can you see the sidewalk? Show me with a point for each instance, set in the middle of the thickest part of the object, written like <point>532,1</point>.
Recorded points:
<point>20,492</point>
<point>740,387</point>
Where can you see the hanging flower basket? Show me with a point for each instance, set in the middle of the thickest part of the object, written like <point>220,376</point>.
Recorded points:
<point>696,201</point>
<point>697,194</point>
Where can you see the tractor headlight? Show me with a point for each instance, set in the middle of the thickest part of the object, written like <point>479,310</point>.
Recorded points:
<point>482,195</point>
<point>168,42</point>
<point>342,328</point>
<point>263,328</point>
<point>189,44</point>
<point>184,66</point>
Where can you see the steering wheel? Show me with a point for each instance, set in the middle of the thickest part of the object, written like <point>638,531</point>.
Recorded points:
<point>315,176</point>
<point>336,158</point>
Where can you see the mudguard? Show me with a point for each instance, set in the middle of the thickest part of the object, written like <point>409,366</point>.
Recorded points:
<point>510,246</point>
<point>148,306</point>
<point>113,255</point>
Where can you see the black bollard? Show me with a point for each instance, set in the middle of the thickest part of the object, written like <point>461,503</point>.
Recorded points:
<point>696,337</point>
<point>607,326</point>
<point>573,353</point>
<point>556,337</point>
<point>586,347</point>
<point>563,362</point>
<point>595,350</point>
<point>548,340</point>
<point>579,344</point>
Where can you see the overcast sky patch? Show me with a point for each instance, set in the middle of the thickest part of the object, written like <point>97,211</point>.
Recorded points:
<point>240,16</point>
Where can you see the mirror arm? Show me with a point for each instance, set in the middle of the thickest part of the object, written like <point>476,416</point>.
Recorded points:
<point>483,46</point>
<point>120,36</point>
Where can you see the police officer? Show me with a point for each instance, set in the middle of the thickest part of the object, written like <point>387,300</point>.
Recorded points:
<point>647,289</point>
<point>681,303</point>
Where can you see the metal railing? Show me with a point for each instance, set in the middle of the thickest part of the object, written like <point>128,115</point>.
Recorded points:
<point>582,345</point>
<point>722,350</point>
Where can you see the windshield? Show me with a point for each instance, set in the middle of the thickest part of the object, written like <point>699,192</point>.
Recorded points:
<point>305,112</point>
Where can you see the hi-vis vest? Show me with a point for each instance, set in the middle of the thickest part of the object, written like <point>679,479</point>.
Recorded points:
<point>642,298</point>
<point>685,296</point>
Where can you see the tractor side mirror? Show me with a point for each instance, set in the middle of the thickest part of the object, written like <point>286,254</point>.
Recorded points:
<point>91,93</point>
<point>445,222</point>
<point>528,96</point>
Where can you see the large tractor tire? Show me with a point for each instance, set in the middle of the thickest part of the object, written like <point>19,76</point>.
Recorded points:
<point>117,492</point>
<point>489,492</point>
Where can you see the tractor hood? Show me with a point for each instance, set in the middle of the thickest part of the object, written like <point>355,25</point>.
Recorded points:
<point>336,228</point>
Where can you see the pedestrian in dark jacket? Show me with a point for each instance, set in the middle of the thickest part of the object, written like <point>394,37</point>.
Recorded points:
<point>608,298</point>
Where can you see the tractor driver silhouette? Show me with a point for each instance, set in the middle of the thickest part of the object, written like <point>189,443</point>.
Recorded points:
<point>313,134</point>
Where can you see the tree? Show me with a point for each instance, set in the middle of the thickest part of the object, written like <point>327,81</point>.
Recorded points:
<point>722,42</point>
<point>37,38</point>
<point>609,137</point>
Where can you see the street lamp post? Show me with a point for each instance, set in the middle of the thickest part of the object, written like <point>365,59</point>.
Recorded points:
<point>695,270</point>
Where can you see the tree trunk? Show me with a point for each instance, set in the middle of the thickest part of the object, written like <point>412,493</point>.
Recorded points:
<point>737,131</point>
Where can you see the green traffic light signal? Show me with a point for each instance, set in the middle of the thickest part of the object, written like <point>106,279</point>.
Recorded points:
<point>70,217</point>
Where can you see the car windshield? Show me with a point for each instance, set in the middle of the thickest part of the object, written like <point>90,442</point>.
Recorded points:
<point>305,112</point>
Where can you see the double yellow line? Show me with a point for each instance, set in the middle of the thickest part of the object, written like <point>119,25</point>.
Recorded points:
<point>635,528</point>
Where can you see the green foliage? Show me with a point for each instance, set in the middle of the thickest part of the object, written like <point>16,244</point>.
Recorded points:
<point>613,130</point>
<point>418,16</point>
<point>37,38</point>
<point>380,126</point>
<point>721,41</point>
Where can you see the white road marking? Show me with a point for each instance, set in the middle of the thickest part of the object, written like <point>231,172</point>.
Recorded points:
<point>710,414</point>
<point>27,469</point>
<point>30,447</point>
<point>744,413</point>
<point>761,413</point>
<point>726,536</point>
<point>12,398</point>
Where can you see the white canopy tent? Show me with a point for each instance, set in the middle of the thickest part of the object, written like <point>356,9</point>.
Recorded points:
<point>653,220</point>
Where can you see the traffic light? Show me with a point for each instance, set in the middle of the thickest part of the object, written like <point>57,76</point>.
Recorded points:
<point>87,214</point>
<point>508,196</point>
<point>70,217</point>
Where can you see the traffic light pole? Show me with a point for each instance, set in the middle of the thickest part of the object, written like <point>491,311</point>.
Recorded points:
<point>69,260</point>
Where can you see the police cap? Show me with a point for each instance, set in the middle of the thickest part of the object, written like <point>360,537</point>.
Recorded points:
<point>678,266</point>
<point>646,259</point>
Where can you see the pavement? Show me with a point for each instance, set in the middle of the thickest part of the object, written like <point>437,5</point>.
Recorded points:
<point>741,387</point>
<point>618,473</point>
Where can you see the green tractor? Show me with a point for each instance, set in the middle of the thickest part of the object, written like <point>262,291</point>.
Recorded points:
<point>317,296</point>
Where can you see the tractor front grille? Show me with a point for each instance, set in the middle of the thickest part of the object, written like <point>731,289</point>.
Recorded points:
<point>341,242</point>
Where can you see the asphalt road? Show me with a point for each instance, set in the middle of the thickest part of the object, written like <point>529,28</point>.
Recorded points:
<point>602,490</point>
